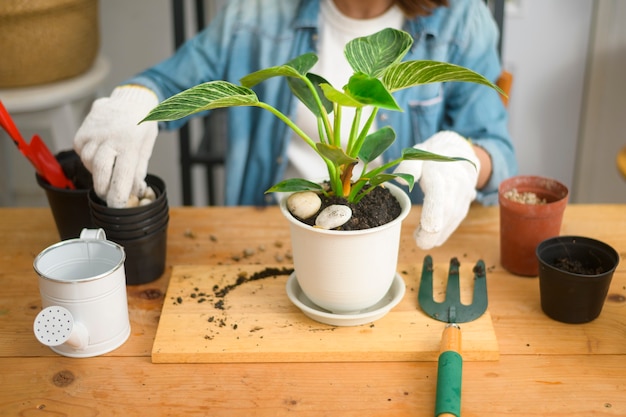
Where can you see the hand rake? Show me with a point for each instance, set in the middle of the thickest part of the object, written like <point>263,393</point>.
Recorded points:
<point>451,311</point>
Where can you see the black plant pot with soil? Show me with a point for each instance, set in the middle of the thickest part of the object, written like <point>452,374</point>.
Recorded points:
<point>574,277</point>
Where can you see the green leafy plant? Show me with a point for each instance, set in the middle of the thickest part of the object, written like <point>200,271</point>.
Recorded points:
<point>378,72</point>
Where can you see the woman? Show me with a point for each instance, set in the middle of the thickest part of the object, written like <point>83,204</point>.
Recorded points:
<point>252,34</point>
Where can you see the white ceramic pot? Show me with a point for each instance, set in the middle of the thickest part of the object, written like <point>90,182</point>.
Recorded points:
<point>346,272</point>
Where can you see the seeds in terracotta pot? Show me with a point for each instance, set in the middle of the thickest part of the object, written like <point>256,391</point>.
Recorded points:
<point>526,197</point>
<point>304,204</point>
<point>333,216</point>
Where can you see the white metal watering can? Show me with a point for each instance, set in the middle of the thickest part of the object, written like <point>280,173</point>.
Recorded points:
<point>82,283</point>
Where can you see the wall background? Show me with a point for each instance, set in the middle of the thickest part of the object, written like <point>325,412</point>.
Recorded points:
<point>603,124</point>
<point>567,111</point>
<point>545,46</point>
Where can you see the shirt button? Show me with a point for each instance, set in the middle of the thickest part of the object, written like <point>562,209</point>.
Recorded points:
<point>384,117</point>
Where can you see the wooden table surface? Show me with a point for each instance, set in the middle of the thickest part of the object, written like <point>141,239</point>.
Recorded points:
<point>545,368</point>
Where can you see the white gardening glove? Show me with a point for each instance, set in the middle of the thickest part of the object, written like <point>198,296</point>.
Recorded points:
<point>114,147</point>
<point>449,187</point>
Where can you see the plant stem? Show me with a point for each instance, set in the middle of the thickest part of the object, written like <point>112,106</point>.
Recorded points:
<point>335,180</point>
<point>382,168</point>
<point>354,151</point>
<point>320,130</point>
<point>346,179</point>
<point>320,106</point>
<point>354,129</point>
<point>337,136</point>
<point>289,123</point>
<point>354,196</point>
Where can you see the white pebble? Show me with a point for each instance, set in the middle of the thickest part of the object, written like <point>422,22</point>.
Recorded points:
<point>145,201</point>
<point>133,201</point>
<point>149,194</point>
<point>333,216</point>
<point>304,204</point>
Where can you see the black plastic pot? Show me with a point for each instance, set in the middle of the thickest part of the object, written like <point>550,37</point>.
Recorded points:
<point>152,210</point>
<point>574,297</point>
<point>135,233</point>
<point>145,256</point>
<point>70,208</point>
<point>131,214</point>
<point>141,230</point>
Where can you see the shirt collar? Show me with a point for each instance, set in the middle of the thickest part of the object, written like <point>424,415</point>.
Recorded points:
<point>307,15</point>
<point>425,25</point>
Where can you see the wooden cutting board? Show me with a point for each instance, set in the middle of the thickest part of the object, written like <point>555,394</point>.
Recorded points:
<point>241,313</point>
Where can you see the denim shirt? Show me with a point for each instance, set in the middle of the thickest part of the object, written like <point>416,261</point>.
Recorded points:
<point>249,35</point>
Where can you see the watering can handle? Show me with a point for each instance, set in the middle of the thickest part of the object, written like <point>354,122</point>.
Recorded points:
<point>93,234</point>
<point>449,373</point>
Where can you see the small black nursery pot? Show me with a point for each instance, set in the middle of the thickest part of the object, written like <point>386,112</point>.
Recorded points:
<point>574,277</point>
<point>70,208</point>
<point>141,230</point>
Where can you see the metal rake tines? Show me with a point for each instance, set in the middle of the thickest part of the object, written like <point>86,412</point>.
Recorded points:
<point>452,310</point>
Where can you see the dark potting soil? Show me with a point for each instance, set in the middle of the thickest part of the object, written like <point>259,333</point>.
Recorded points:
<point>74,169</point>
<point>576,267</point>
<point>242,279</point>
<point>375,209</point>
<point>219,293</point>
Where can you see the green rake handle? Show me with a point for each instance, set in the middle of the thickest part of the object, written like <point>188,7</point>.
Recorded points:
<point>449,373</point>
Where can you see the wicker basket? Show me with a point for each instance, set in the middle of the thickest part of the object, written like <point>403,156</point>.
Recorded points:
<point>43,41</point>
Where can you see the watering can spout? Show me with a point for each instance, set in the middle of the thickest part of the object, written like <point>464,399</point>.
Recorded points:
<point>55,326</point>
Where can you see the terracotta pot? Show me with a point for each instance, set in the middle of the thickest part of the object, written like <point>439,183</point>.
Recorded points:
<point>346,272</point>
<point>575,297</point>
<point>524,226</point>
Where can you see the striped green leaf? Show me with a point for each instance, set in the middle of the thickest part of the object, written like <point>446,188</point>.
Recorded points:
<point>207,96</point>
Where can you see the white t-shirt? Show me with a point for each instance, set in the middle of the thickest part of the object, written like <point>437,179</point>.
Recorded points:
<point>336,30</point>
